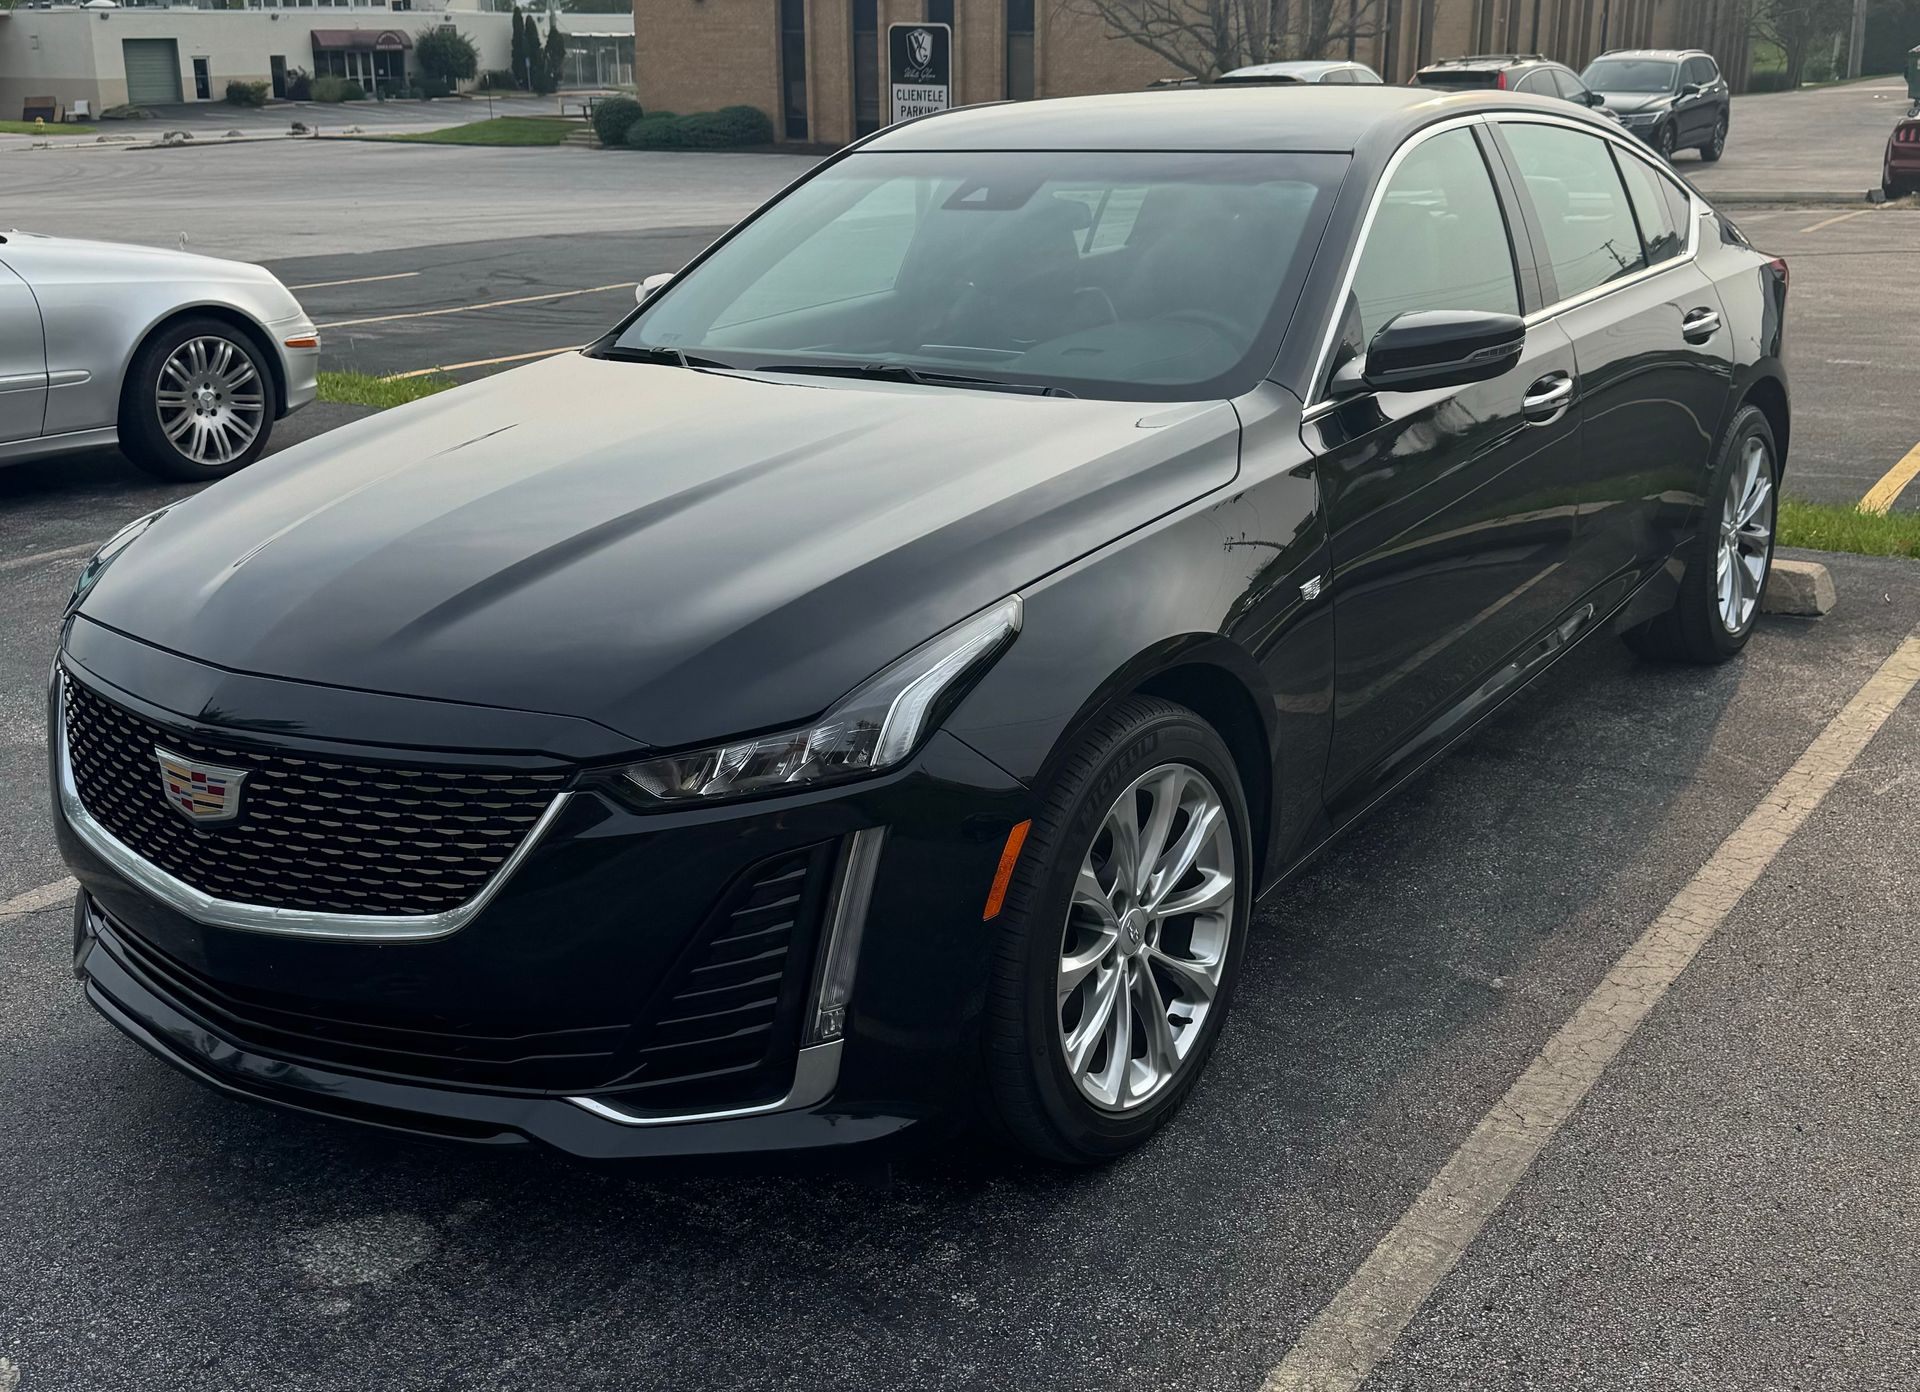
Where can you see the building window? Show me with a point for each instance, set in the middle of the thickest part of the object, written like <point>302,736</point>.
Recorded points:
<point>793,68</point>
<point>1019,50</point>
<point>866,66</point>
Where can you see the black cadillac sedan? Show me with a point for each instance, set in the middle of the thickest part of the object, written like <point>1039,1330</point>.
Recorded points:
<point>868,691</point>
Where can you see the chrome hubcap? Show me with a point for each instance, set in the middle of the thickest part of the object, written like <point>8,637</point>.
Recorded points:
<point>1746,536</point>
<point>1146,937</point>
<point>210,400</point>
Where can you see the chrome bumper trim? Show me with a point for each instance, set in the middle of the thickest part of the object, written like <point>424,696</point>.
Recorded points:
<point>183,898</point>
<point>815,1072</point>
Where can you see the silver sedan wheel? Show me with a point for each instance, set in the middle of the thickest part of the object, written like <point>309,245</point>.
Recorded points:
<point>1746,536</point>
<point>211,401</point>
<point>1146,937</point>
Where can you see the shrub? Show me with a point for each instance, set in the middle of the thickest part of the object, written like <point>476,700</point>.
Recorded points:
<point>614,117</point>
<point>499,80</point>
<point>247,93</point>
<point>299,85</point>
<point>430,87</point>
<point>554,55</point>
<point>337,89</point>
<point>1767,80</point>
<point>725,129</point>
<point>446,55</point>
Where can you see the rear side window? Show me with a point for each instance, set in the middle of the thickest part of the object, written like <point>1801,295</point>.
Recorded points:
<point>1438,240</point>
<point>1583,210</point>
<point>1539,82</point>
<point>1337,75</point>
<point>1664,235</point>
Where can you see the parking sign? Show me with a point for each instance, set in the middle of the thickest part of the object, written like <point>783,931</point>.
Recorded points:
<point>919,68</point>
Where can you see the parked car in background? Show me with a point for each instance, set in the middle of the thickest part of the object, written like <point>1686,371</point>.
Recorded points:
<point>863,695</point>
<point>1327,72</point>
<point>1900,172</point>
<point>1672,98</point>
<point>183,361</point>
<point>1509,72</point>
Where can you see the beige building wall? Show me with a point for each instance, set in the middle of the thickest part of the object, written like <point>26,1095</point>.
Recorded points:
<point>698,55</point>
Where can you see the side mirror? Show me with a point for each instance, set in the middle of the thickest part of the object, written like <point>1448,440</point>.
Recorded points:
<point>1592,98</point>
<point>644,291</point>
<point>1690,89</point>
<point>1429,349</point>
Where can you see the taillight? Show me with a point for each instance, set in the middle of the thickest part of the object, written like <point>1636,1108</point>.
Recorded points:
<point>1779,264</point>
<point>1500,81</point>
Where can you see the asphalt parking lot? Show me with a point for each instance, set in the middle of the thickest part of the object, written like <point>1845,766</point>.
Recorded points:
<point>1730,1205</point>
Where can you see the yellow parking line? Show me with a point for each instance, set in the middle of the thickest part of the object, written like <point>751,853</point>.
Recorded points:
<point>357,280</point>
<point>1360,1326</point>
<point>1880,497</point>
<point>1842,218</point>
<point>479,362</point>
<point>486,304</point>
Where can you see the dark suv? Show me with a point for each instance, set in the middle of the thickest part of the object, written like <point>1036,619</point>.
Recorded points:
<point>1672,98</point>
<point>1510,72</point>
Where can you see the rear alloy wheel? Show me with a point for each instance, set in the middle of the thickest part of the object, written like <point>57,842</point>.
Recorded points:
<point>198,403</point>
<point>1728,560</point>
<point>1663,140</point>
<point>1121,936</point>
<point>1717,146</point>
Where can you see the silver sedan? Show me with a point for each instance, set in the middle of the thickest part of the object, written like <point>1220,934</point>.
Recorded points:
<point>183,361</point>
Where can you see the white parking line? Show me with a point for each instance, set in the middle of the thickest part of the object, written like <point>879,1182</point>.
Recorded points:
<point>85,548</point>
<point>47,896</point>
<point>480,362</point>
<point>357,280</point>
<point>484,304</point>
<point>1361,1324</point>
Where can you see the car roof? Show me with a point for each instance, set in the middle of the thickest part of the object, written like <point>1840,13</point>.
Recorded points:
<point>1654,53</point>
<point>1281,117</point>
<point>1495,60</point>
<point>1291,67</point>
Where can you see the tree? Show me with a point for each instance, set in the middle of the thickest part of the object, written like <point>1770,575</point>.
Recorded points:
<point>1205,38</point>
<point>519,62</point>
<point>447,55</point>
<point>556,55</point>
<point>1798,27</point>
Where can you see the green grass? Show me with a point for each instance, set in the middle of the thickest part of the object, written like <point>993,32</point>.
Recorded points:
<point>501,130</point>
<point>359,389</point>
<point>28,128</point>
<point>1835,527</point>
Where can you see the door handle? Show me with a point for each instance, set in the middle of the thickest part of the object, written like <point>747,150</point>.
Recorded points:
<point>1699,325</point>
<point>1547,399</point>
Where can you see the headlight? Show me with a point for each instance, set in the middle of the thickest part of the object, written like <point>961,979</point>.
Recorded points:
<point>107,554</point>
<point>873,729</point>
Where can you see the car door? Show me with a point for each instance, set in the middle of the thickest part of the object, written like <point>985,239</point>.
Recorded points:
<point>23,360</point>
<point>1699,111</point>
<point>1654,360</point>
<point>1446,539</point>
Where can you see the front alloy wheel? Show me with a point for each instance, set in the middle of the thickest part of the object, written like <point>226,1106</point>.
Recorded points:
<point>1121,933</point>
<point>1663,141</point>
<point>198,402</point>
<point>1146,937</point>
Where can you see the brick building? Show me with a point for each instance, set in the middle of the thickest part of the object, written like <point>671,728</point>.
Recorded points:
<point>818,67</point>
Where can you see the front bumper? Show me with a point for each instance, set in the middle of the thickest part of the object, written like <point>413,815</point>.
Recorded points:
<point>581,942</point>
<point>299,362</point>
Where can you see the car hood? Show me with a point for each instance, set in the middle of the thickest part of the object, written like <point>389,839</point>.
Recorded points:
<point>44,253</point>
<point>1626,103</point>
<point>678,555</point>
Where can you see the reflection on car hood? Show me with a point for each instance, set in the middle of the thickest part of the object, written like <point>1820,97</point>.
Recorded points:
<point>678,555</point>
<point>1626,103</point>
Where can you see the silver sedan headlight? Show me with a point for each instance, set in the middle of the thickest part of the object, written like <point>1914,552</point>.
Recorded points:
<point>117,543</point>
<point>875,728</point>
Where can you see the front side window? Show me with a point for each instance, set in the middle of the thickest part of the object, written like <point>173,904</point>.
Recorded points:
<point>1157,276</point>
<point>1535,82</point>
<point>1583,210</point>
<point>1438,240</point>
<point>1644,75</point>
<point>1701,70</point>
<point>1569,86</point>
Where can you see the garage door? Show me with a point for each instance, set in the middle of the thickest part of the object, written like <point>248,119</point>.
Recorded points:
<point>153,70</point>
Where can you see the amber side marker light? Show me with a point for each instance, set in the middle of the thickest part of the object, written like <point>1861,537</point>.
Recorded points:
<point>1009,857</point>
<point>301,342</point>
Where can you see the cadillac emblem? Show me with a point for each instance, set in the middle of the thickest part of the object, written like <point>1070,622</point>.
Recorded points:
<point>199,792</point>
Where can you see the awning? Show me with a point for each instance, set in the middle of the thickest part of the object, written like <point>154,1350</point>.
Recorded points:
<point>368,40</point>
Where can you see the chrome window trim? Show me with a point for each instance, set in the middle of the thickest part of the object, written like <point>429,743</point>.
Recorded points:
<point>202,907</point>
<point>1318,405</point>
<point>815,1071</point>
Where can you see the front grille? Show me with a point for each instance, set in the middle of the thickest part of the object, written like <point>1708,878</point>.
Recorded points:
<point>313,833</point>
<point>725,1026</point>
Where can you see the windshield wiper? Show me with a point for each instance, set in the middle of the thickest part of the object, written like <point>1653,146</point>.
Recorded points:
<point>666,357</point>
<point>900,372</point>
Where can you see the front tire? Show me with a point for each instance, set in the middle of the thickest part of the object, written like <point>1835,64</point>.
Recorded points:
<point>198,403</point>
<point>1727,563</point>
<point>1664,139</point>
<point>1121,938</point>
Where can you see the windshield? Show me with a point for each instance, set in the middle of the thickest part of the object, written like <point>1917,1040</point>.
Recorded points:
<point>1158,276</point>
<point>1629,75</point>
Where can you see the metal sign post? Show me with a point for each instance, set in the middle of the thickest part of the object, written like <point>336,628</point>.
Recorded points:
<point>919,69</point>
